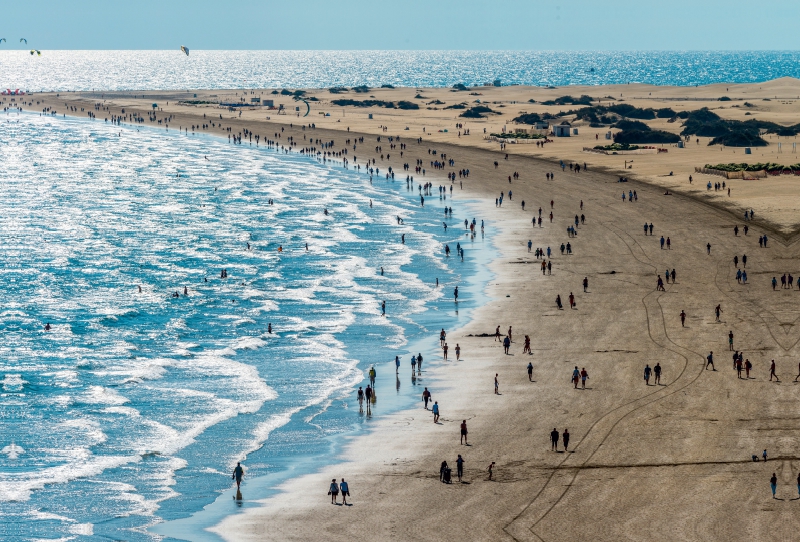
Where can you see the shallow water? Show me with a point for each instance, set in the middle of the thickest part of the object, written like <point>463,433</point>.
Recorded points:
<point>172,70</point>
<point>135,407</point>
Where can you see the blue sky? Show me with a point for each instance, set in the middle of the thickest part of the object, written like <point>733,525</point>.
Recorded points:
<point>403,24</point>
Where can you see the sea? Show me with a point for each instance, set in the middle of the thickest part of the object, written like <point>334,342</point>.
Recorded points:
<point>124,420</point>
<point>172,70</point>
<point>134,407</point>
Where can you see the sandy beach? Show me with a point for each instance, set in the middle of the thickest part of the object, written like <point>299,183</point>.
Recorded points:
<point>645,462</point>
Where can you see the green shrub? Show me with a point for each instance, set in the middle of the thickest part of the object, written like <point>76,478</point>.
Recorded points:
<point>361,89</point>
<point>407,105</point>
<point>456,106</point>
<point>724,99</point>
<point>617,147</point>
<point>460,86</point>
<point>665,113</point>
<point>387,86</point>
<point>518,135</point>
<point>337,90</point>
<point>733,166</point>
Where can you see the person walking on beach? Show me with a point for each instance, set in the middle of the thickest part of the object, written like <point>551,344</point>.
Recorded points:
<point>657,374</point>
<point>526,347</point>
<point>576,376</point>
<point>419,363</point>
<point>238,474</point>
<point>372,375</point>
<point>345,489</point>
<point>747,367</point>
<point>496,384</point>
<point>683,318</point>
<point>710,360</point>
<point>333,491</point>
<point>554,439</point>
<point>647,372</point>
<point>585,283</point>
<point>464,432</point>
<point>530,372</point>
<point>772,372</point>
<point>565,439</point>
<point>360,398</point>
<point>773,484</point>
<point>426,396</point>
<point>717,312</point>
<point>497,334</point>
<point>460,467</point>
<point>442,337</point>
<point>458,352</point>
<point>730,340</point>
<point>584,376</point>
<point>435,410</point>
<point>444,351</point>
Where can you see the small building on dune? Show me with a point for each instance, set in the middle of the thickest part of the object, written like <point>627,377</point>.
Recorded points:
<point>562,130</point>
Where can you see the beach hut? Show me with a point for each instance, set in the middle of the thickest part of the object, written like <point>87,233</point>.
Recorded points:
<point>562,130</point>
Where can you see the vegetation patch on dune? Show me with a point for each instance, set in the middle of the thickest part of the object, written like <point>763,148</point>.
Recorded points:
<point>533,118</point>
<point>733,133</point>
<point>363,103</point>
<point>646,136</point>
<point>518,135</point>
<point>477,112</point>
<point>766,166</point>
<point>569,100</point>
<point>617,147</point>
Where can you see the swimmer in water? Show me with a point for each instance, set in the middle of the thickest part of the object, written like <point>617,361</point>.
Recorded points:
<point>47,326</point>
<point>306,247</point>
<point>248,246</point>
<point>185,290</point>
<point>269,328</point>
<point>280,248</point>
<point>326,212</point>
<point>140,289</point>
